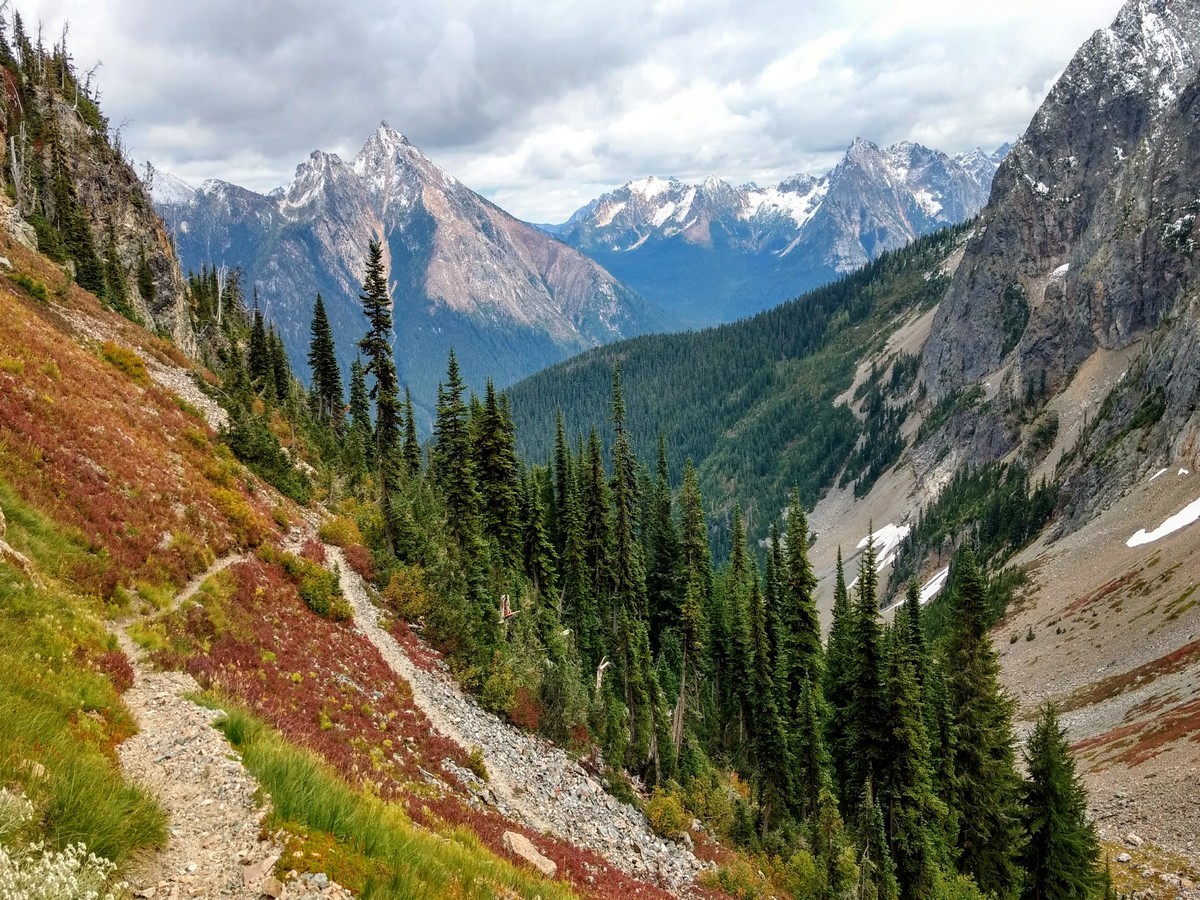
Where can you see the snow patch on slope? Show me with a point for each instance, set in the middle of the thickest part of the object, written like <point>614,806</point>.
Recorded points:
<point>1171,524</point>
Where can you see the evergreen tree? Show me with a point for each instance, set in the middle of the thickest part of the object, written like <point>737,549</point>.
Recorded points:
<point>867,710</point>
<point>800,641</point>
<point>412,447</point>
<point>281,370</point>
<point>905,789</point>
<point>772,759</point>
<point>376,345</point>
<point>1061,857</point>
<point>496,476</point>
<point>536,548</point>
<point>876,874</point>
<point>259,363</point>
<point>986,783</point>
<point>361,431</point>
<point>664,581</point>
<point>839,685</point>
<point>326,394</point>
<point>451,460</point>
<point>562,480</point>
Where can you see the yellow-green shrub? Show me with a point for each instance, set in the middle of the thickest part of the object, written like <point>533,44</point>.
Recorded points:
<point>666,813</point>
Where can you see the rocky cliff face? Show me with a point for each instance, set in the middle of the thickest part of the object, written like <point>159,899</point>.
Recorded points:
<point>464,273</point>
<point>714,252</point>
<point>1087,246</point>
<point>1084,242</point>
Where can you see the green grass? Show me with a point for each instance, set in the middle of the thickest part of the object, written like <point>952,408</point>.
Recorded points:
<point>365,838</point>
<point>60,715</point>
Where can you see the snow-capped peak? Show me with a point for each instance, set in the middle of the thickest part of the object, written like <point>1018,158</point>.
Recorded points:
<point>166,190</point>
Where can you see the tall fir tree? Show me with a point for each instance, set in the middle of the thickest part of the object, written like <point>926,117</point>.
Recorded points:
<point>326,394</point>
<point>905,789</point>
<point>867,711</point>
<point>1061,856</point>
<point>361,431</point>
<point>839,686</point>
<point>376,346</point>
<point>281,369</point>
<point>259,362</point>
<point>451,460</point>
<point>496,476</point>
<point>412,446</point>
<point>664,582</point>
<point>986,784</point>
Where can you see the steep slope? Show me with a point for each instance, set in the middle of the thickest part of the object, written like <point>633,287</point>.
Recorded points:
<point>464,273</point>
<point>712,252</point>
<point>84,204</point>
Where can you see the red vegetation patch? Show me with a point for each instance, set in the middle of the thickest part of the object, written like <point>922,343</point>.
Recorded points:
<point>321,683</point>
<point>1101,592</point>
<point>86,445</point>
<point>421,654</point>
<point>526,710</point>
<point>1115,685</point>
<point>360,560</point>
<point>115,664</point>
<point>1138,742</point>
<point>313,551</point>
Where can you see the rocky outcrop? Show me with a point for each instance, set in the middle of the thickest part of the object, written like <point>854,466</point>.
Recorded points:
<point>464,273</point>
<point>1086,239</point>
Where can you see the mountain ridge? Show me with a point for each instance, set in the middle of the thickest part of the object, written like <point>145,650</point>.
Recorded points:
<point>712,251</point>
<point>465,273</point>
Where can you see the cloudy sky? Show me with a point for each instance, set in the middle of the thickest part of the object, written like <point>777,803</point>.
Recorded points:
<point>543,105</point>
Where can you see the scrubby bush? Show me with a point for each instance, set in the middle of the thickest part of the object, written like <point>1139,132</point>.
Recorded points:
<point>340,531</point>
<point>126,361</point>
<point>665,813</point>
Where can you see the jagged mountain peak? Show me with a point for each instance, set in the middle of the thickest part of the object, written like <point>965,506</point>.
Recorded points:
<point>168,188</point>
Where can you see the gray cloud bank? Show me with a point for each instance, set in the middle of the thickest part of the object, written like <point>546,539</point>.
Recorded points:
<point>540,106</point>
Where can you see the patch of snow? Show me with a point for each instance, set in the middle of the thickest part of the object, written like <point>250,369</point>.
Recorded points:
<point>166,189</point>
<point>934,585</point>
<point>1061,271</point>
<point>799,205</point>
<point>887,542</point>
<point>927,202</point>
<point>649,187</point>
<point>663,213</point>
<point>609,213</point>
<point>1184,472</point>
<point>1159,472</point>
<point>1171,524</point>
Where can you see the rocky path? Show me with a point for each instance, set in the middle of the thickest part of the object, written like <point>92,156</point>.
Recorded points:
<point>532,780</point>
<point>215,847</point>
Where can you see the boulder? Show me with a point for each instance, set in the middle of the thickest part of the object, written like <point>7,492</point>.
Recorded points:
<point>521,846</point>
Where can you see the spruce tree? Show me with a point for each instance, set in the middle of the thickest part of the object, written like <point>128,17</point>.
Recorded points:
<point>327,396</point>
<point>259,363</point>
<point>839,686</point>
<point>800,641</point>
<point>664,581</point>
<point>412,446</point>
<point>361,431</point>
<point>986,784</point>
<point>496,476</point>
<point>772,759</point>
<point>867,712</point>
<point>451,460</point>
<point>376,345</point>
<point>281,370</point>
<point>537,551</point>
<point>1061,857</point>
<point>905,788</point>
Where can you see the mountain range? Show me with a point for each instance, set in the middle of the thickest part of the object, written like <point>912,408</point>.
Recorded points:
<point>714,252</point>
<point>463,272</point>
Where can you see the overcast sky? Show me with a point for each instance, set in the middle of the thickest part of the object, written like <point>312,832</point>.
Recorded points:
<point>542,105</point>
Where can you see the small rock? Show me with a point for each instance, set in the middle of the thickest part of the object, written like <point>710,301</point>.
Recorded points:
<point>1124,858</point>
<point>274,889</point>
<point>1133,839</point>
<point>521,846</point>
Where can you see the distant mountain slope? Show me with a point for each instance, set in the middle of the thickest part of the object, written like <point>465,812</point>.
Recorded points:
<point>752,403</point>
<point>712,252</point>
<point>464,273</point>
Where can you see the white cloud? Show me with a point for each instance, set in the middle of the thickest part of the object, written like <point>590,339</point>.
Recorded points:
<point>541,105</point>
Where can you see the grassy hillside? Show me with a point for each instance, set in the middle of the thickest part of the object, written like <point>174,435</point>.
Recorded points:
<point>751,403</point>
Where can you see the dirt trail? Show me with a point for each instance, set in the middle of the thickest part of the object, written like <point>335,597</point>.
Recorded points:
<point>534,779</point>
<point>214,847</point>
